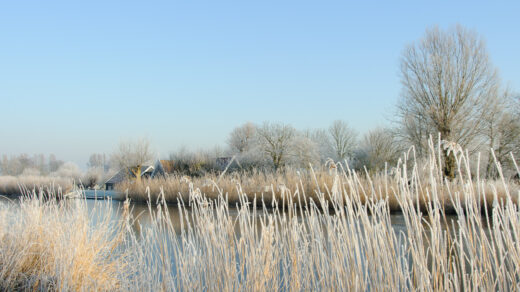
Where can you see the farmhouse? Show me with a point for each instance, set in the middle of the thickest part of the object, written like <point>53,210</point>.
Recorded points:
<point>126,173</point>
<point>227,162</point>
<point>163,168</point>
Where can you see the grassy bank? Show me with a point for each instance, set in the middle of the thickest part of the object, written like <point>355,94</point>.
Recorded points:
<point>417,179</point>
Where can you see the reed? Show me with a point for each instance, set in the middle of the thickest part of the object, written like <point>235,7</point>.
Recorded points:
<point>18,185</point>
<point>47,244</point>
<point>266,187</point>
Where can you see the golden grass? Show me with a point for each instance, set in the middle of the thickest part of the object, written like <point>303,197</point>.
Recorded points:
<point>270,187</point>
<point>50,245</point>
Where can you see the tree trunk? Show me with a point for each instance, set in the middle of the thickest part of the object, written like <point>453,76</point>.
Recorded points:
<point>449,164</point>
<point>449,155</point>
<point>137,173</point>
<point>489,169</point>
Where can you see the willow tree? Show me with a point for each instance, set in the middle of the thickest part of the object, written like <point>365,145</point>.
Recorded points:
<point>448,82</point>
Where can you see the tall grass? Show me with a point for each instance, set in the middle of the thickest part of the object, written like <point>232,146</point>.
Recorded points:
<point>266,187</point>
<point>56,245</point>
<point>337,239</point>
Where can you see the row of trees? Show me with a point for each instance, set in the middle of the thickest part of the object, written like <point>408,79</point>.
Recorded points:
<point>277,145</point>
<point>40,165</point>
<point>36,164</point>
<point>271,146</point>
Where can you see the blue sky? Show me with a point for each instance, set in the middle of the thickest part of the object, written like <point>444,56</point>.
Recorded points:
<point>78,76</point>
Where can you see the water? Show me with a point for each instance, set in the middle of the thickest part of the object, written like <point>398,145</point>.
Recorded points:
<point>100,194</point>
<point>142,212</point>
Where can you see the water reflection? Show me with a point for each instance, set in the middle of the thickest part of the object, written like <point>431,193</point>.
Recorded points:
<point>143,214</point>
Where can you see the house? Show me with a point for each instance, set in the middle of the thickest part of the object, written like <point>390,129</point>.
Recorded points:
<point>126,173</point>
<point>222,163</point>
<point>163,168</point>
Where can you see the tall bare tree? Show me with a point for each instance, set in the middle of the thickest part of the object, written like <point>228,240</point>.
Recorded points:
<point>447,81</point>
<point>342,140</point>
<point>133,155</point>
<point>276,141</point>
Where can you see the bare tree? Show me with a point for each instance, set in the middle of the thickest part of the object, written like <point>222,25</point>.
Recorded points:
<point>378,147</point>
<point>243,143</point>
<point>305,151</point>
<point>342,140</point>
<point>241,139</point>
<point>447,81</point>
<point>413,130</point>
<point>321,142</point>
<point>17,164</point>
<point>92,177</point>
<point>133,155</point>
<point>54,164</point>
<point>322,139</point>
<point>96,160</point>
<point>501,131</point>
<point>275,141</point>
<point>68,169</point>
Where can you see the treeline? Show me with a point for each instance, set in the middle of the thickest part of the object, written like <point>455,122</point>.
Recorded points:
<point>37,164</point>
<point>274,146</point>
<point>40,167</point>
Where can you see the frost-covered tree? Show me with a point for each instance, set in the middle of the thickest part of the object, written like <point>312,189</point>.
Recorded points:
<point>304,151</point>
<point>321,140</point>
<point>93,176</point>
<point>68,170</point>
<point>242,138</point>
<point>501,131</point>
<point>342,140</point>
<point>378,147</point>
<point>447,80</point>
<point>16,164</point>
<point>96,160</point>
<point>276,141</point>
<point>54,163</point>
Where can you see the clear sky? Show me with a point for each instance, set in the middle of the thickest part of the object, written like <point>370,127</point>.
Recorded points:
<point>77,76</point>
